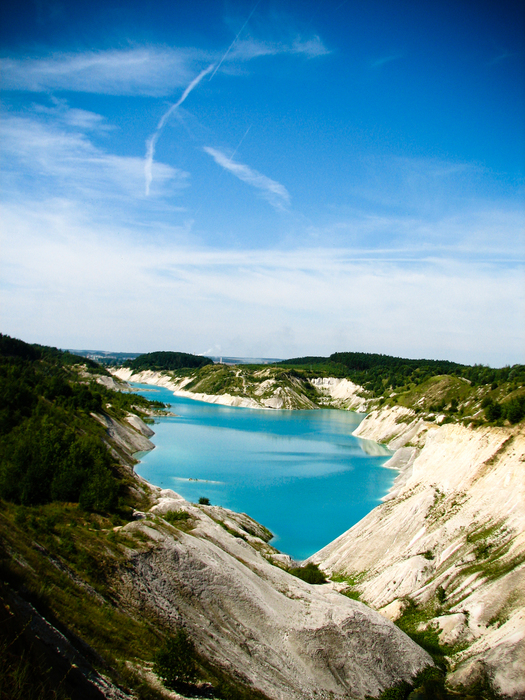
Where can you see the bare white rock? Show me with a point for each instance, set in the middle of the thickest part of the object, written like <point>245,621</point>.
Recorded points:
<point>455,518</point>
<point>287,638</point>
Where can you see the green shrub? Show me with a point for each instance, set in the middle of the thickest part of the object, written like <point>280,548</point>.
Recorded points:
<point>309,573</point>
<point>441,595</point>
<point>203,501</point>
<point>397,692</point>
<point>515,409</point>
<point>493,412</point>
<point>175,663</point>
<point>176,516</point>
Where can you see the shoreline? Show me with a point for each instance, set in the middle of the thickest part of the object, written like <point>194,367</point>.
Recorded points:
<point>380,455</point>
<point>457,490</point>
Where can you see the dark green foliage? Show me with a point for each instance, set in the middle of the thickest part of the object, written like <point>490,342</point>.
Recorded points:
<point>43,461</point>
<point>175,663</point>
<point>176,516</point>
<point>14,348</point>
<point>441,595</point>
<point>381,373</point>
<point>428,684</point>
<point>513,409</point>
<point>309,573</point>
<point>51,449</point>
<point>428,639</point>
<point>167,361</point>
<point>203,501</point>
<point>493,411</point>
<point>397,692</point>
<point>304,361</point>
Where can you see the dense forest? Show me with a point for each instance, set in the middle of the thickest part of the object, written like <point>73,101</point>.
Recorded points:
<point>170,361</point>
<point>383,374</point>
<point>51,448</point>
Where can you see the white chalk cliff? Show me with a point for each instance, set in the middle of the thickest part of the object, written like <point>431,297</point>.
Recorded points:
<point>449,537</point>
<point>285,637</point>
<point>453,526</point>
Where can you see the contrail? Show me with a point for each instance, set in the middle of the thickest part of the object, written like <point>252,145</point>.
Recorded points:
<point>240,142</point>
<point>233,42</point>
<point>152,141</point>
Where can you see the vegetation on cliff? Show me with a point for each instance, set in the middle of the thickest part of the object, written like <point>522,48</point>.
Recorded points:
<point>160,361</point>
<point>380,372</point>
<point>51,447</point>
<point>64,496</point>
<point>460,392</point>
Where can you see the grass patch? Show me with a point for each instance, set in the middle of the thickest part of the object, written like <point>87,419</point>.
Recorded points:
<point>412,617</point>
<point>176,517</point>
<point>309,573</point>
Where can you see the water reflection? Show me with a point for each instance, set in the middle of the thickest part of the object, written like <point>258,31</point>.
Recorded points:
<point>300,473</point>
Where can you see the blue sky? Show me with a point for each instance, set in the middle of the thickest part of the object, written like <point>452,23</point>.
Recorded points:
<point>265,178</point>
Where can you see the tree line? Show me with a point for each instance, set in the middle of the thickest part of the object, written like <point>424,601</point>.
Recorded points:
<point>167,361</point>
<point>50,446</point>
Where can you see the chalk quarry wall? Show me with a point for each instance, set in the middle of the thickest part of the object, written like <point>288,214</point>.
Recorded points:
<point>287,638</point>
<point>454,519</point>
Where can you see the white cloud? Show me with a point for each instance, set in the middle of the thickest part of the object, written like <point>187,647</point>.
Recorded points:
<point>139,71</point>
<point>247,49</point>
<point>72,284</point>
<point>276,194</point>
<point>149,71</point>
<point>62,113</point>
<point>64,160</point>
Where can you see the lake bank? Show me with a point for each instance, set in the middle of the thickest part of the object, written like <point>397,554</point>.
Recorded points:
<point>300,473</point>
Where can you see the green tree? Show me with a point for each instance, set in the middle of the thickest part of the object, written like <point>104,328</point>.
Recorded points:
<point>175,662</point>
<point>493,412</point>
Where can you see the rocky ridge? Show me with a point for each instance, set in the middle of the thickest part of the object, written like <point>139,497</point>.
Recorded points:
<point>287,638</point>
<point>449,539</point>
<point>238,386</point>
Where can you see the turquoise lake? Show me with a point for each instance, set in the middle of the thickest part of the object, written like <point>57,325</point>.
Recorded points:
<point>299,473</point>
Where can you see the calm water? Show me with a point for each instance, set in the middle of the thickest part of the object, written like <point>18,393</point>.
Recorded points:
<point>299,473</point>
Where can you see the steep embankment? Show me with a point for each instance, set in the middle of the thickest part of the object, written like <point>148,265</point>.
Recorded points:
<point>204,569</point>
<point>260,387</point>
<point>444,554</point>
<point>277,633</point>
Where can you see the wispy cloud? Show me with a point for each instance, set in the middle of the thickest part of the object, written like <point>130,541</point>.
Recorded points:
<point>140,71</point>
<point>153,71</point>
<point>276,194</point>
<point>58,158</point>
<point>62,113</point>
<point>380,62</point>
<point>250,48</point>
<point>152,141</point>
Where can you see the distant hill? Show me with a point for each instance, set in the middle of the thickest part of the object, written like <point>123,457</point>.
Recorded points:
<point>379,372</point>
<point>14,348</point>
<point>167,361</point>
